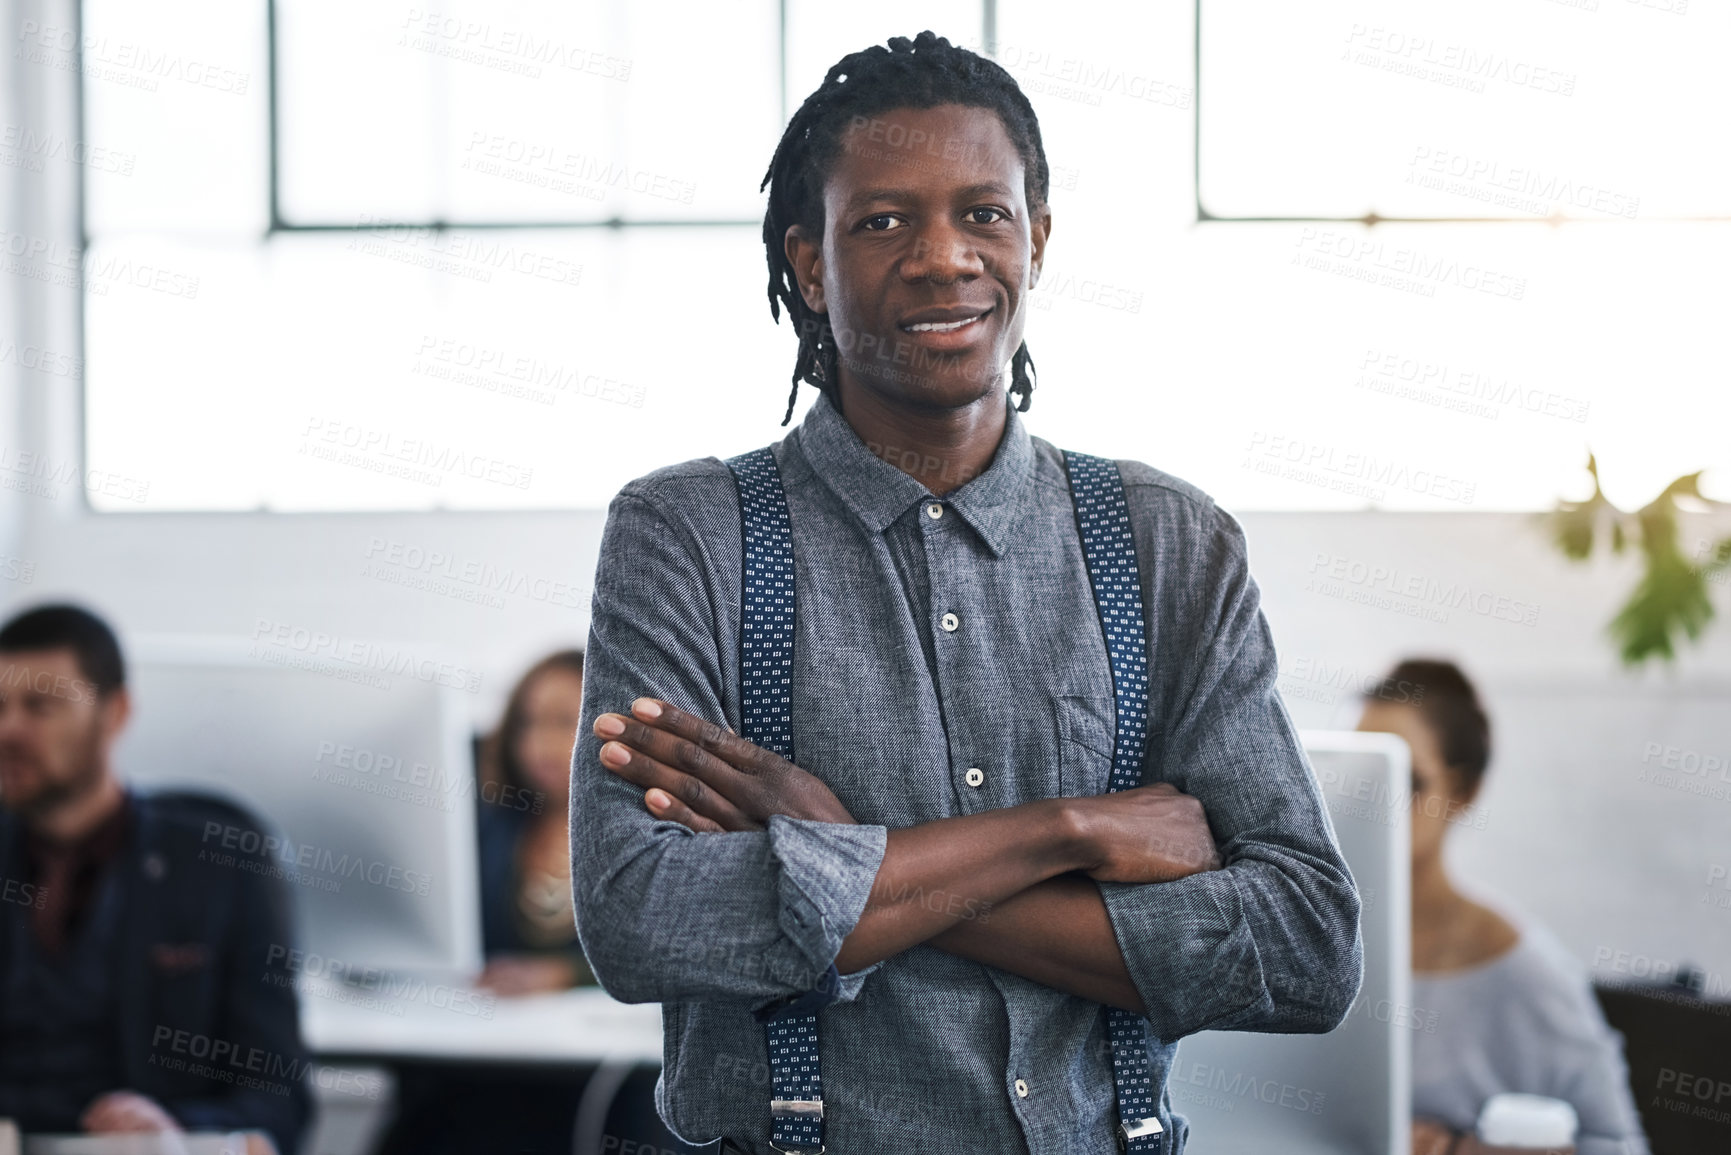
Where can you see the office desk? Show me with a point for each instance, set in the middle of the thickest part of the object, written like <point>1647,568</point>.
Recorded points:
<point>583,1026</point>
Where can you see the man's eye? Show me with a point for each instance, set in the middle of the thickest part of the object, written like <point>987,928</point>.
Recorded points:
<point>883,222</point>
<point>990,216</point>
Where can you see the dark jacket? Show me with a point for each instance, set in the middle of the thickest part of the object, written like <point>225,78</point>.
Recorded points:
<point>207,1021</point>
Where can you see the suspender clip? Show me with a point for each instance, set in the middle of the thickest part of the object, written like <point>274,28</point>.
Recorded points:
<point>1137,1130</point>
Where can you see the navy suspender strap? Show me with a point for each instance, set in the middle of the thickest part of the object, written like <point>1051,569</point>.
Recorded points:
<point>1109,546</point>
<point>766,719</point>
<point>766,634</point>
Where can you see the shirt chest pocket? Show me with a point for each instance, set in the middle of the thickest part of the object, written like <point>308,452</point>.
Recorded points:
<point>1084,725</point>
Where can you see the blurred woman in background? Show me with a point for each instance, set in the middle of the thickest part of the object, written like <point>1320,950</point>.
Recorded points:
<point>1514,1011</point>
<point>527,930</point>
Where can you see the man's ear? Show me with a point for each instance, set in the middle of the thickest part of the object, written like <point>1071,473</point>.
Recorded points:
<point>1039,230</point>
<point>805,254</point>
<point>113,712</point>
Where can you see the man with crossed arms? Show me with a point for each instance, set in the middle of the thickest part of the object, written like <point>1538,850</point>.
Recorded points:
<point>944,850</point>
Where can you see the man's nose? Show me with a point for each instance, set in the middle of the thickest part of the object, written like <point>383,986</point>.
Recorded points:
<point>942,254</point>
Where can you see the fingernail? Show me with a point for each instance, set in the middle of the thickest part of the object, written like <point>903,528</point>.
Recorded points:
<point>646,707</point>
<point>609,726</point>
<point>657,799</point>
<point>615,754</point>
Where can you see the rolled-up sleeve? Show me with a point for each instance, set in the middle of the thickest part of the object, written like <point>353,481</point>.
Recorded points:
<point>1271,942</point>
<point>664,913</point>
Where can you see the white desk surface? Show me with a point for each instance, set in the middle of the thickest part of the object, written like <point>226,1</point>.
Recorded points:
<point>578,1026</point>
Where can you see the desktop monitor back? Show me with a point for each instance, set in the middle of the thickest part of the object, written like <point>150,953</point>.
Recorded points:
<point>362,779</point>
<point>1347,1092</point>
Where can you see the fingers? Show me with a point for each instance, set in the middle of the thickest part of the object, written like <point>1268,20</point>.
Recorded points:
<point>712,737</point>
<point>684,789</point>
<point>664,805</point>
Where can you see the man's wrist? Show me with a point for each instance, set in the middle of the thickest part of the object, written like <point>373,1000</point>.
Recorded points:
<point>1065,841</point>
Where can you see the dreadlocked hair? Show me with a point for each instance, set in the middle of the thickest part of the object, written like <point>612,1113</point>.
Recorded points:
<point>924,72</point>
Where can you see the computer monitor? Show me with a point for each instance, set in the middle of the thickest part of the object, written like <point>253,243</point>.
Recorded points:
<point>1348,1092</point>
<point>363,777</point>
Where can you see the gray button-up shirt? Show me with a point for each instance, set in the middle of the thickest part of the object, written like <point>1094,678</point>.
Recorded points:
<point>944,665</point>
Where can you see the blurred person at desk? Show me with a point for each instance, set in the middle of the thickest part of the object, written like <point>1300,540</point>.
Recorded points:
<point>136,991</point>
<point>529,936</point>
<point>1514,1011</point>
<point>527,929</point>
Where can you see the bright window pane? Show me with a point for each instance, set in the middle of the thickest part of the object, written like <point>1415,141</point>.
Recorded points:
<point>175,99</point>
<point>1339,108</point>
<point>524,110</point>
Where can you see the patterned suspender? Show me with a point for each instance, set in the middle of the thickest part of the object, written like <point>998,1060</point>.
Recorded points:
<point>1103,517</point>
<point>766,635</point>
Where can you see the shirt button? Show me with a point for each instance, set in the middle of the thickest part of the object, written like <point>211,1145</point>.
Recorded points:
<point>950,622</point>
<point>934,511</point>
<point>974,776</point>
<point>1022,1088</point>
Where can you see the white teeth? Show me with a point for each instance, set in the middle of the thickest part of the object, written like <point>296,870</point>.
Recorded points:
<point>941,326</point>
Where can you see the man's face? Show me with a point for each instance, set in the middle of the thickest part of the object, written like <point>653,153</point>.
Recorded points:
<point>928,253</point>
<point>54,730</point>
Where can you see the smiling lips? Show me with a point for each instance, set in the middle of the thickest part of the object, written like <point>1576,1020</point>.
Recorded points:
<point>943,321</point>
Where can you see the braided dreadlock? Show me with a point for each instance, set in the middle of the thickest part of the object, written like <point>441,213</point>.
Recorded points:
<point>920,73</point>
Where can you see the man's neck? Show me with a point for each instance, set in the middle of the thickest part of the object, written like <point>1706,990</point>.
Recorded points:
<point>74,819</point>
<point>939,448</point>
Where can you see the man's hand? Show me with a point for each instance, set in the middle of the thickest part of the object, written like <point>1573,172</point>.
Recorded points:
<point>1144,834</point>
<point>706,777</point>
<point>1431,1138</point>
<point>120,1111</point>
<point>512,975</point>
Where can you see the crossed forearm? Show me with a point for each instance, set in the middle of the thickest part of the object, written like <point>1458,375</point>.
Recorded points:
<point>1057,933</point>
<point>937,873</point>
<point>987,887</point>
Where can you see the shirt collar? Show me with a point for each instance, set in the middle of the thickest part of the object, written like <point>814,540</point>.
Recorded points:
<point>878,493</point>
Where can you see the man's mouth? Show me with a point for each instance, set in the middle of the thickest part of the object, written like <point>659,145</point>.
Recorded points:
<point>953,322</point>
